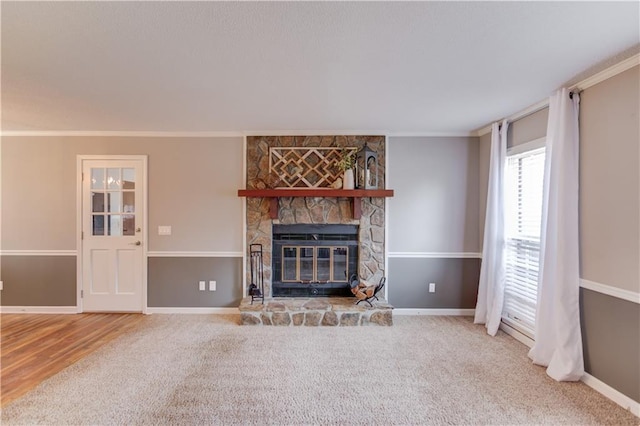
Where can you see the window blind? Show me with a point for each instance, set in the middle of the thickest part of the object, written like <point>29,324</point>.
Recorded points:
<point>523,213</point>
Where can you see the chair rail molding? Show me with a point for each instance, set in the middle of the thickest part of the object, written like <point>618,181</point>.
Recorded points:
<point>435,255</point>
<point>38,252</point>
<point>620,293</point>
<point>194,253</point>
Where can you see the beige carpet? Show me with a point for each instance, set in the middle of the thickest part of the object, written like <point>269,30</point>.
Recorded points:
<point>206,369</point>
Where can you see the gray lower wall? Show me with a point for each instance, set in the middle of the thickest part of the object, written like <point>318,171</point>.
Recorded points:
<point>38,281</point>
<point>456,283</point>
<point>173,281</point>
<point>611,340</point>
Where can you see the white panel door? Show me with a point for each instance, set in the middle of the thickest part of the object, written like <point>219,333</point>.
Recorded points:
<point>112,237</point>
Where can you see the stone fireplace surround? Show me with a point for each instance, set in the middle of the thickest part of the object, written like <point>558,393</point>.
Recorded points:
<point>313,210</point>
<point>320,210</point>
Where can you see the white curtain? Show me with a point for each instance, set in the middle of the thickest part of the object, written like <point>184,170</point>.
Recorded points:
<point>558,340</point>
<point>492,271</point>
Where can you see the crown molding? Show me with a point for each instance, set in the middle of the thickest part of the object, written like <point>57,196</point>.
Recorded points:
<point>120,133</point>
<point>214,134</point>
<point>314,132</point>
<point>431,134</point>
<point>606,74</point>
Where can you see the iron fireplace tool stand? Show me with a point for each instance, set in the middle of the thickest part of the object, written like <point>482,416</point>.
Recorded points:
<point>256,288</point>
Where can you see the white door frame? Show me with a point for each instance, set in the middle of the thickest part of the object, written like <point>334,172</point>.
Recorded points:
<point>145,234</point>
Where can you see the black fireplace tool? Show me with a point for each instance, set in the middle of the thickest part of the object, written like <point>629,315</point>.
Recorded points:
<point>256,288</point>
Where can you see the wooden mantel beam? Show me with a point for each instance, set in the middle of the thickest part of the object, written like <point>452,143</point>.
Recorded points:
<point>355,195</point>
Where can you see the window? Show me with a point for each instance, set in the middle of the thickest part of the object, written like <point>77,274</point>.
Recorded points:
<point>523,211</point>
<point>113,201</point>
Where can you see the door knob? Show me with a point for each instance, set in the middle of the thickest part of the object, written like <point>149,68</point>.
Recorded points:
<point>138,229</point>
<point>137,243</point>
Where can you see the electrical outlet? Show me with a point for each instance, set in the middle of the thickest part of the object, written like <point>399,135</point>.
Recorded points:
<point>202,285</point>
<point>212,286</point>
<point>432,287</point>
<point>1,285</point>
<point>164,230</point>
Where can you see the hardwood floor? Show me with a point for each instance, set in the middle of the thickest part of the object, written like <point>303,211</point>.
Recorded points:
<point>36,347</point>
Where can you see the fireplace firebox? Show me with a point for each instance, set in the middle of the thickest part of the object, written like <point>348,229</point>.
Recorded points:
<point>314,260</point>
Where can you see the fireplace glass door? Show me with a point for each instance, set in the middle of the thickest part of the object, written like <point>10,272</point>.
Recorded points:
<point>303,264</point>
<point>313,259</point>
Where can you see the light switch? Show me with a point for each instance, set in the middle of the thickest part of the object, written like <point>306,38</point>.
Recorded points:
<point>201,285</point>
<point>212,286</point>
<point>164,230</point>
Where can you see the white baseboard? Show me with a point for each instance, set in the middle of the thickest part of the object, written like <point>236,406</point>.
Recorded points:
<point>616,396</point>
<point>39,309</point>
<point>525,340</point>
<point>596,384</point>
<point>192,311</point>
<point>445,312</point>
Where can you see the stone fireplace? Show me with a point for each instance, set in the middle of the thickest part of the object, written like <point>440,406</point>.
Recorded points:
<point>317,265</point>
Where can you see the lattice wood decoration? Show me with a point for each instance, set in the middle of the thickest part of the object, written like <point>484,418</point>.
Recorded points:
<point>306,167</point>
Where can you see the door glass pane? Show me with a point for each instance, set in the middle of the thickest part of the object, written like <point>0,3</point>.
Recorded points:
<point>128,178</point>
<point>98,224</point>
<point>97,201</point>
<point>129,202</point>
<point>324,264</point>
<point>115,225</point>
<point>306,263</point>
<point>97,178</point>
<point>340,271</point>
<point>128,224</point>
<point>289,258</point>
<point>114,202</point>
<point>113,179</point>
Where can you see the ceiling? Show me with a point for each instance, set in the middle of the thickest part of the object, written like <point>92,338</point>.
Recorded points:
<point>392,67</point>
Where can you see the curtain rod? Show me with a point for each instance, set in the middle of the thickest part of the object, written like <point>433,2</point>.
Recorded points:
<point>577,92</point>
<point>575,88</point>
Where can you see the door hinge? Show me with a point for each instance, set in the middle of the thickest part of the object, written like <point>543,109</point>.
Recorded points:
<point>81,294</point>
<point>82,178</point>
<point>82,235</point>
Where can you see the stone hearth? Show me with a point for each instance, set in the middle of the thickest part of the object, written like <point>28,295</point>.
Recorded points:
<point>333,311</point>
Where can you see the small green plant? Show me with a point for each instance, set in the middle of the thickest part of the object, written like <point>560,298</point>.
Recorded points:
<point>348,160</point>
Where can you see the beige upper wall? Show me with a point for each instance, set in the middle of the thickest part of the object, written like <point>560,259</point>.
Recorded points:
<point>193,185</point>
<point>483,181</point>
<point>435,207</point>
<point>610,181</point>
<point>527,129</point>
